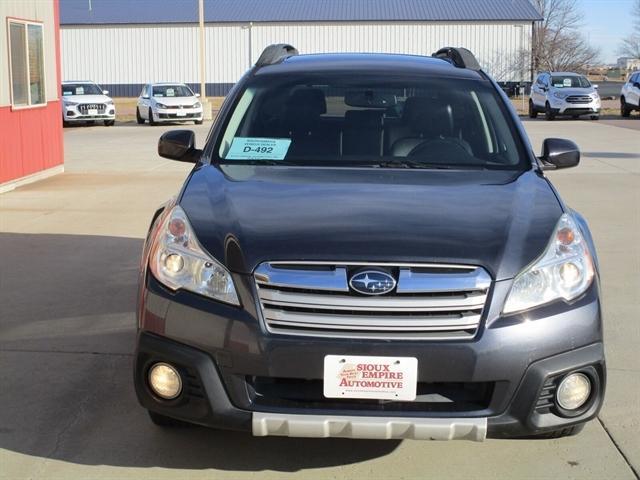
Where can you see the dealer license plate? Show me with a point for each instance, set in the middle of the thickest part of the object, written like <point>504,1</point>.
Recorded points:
<point>381,378</point>
<point>92,111</point>
<point>181,114</point>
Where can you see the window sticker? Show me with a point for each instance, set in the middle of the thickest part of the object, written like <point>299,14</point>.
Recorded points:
<point>567,82</point>
<point>80,91</point>
<point>252,148</point>
<point>66,93</point>
<point>170,92</point>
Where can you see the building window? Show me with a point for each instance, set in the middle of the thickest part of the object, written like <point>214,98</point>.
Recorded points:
<point>26,63</point>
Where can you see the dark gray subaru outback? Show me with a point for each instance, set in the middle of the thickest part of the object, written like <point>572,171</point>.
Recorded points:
<point>367,247</point>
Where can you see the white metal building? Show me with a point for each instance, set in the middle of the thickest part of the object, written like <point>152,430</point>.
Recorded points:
<point>122,44</point>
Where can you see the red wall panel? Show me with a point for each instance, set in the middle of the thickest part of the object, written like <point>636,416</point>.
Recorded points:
<point>30,140</point>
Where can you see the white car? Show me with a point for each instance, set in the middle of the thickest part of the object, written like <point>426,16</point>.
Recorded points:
<point>564,94</point>
<point>84,101</point>
<point>168,102</point>
<point>630,95</point>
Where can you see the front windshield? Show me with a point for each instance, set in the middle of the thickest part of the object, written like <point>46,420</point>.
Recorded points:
<point>377,121</point>
<point>570,81</point>
<point>70,89</point>
<point>172,91</point>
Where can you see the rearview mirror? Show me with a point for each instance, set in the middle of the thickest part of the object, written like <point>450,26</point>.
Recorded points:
<point>179,145</point>
<point>559,153</point>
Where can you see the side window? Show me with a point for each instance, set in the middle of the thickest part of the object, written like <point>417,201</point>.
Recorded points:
<point>26,63</point>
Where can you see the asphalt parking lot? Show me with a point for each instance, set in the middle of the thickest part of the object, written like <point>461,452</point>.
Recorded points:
<point>70,251</point>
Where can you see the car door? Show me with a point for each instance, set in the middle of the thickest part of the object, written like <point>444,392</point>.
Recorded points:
<point>537,92</point>
<point>143,102</point>
<point>633,95</point>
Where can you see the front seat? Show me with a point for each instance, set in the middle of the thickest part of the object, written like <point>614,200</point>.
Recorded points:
<point>362,133</point>
<point>302,122</point>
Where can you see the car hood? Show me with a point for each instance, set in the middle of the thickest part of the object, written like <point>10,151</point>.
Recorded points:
<point>575,91</point>
<point>87,98</point>
<point>244,215</point>
<point>175,101</point>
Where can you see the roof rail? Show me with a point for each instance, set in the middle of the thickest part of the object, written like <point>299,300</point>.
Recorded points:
<point>459,57</point>
<point>276,53</point>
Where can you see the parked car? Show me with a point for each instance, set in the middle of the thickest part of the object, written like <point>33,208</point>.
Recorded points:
<point>84,101</point>
<point>564,94</point>
<point>168,102</point>
<point>335,266</point>
<point>630,95</point>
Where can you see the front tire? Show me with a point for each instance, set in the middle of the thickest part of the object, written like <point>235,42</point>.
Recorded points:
<point>548,113</point>
<point>198,122</point>
<point>595,117</point>
<point>139,119</point>
<point>109,123</point>
<point>624,110</point>
<point>151,121</point>
<point>533,113</point>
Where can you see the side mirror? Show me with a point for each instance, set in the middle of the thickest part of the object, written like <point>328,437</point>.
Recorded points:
<point>197,95</point>
<point>105,92</point>
<point>636,84</point>
<point>179,145</point>
<point>146,97</point>
<point>559,153</point>
<point>595,86</point>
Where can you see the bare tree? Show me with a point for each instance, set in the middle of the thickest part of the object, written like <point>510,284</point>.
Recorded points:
<point>558,44</point>
<point>630,46</point>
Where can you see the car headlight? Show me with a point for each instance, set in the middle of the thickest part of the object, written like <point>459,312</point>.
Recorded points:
<point>70,104</point>
<point>560,95</point>
<point>109,102</point>
<point>595,95</point>
<point>564,271</point>
<point>160,105</point>
<point>197,105</point>
<point>179,262</point>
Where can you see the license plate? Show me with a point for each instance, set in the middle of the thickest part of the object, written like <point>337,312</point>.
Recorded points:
<point>381,378</point>
<point>92,111</point>
<point>181,114</point>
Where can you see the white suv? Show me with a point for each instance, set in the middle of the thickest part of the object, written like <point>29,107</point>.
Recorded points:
<point>168,102</point>
<point>562,93</point>
<point>630,95</point>
<point>84,101</point>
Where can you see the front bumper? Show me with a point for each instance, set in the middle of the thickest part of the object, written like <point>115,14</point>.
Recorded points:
<point>177,115</point>
<point>561,107</point>
<point>220,350</point>
<point>72,114</point>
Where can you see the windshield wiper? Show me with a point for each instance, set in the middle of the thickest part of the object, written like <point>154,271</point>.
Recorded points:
<point>406,163</point>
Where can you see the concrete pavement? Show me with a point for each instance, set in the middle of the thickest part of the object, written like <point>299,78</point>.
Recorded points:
<point>70,253</point>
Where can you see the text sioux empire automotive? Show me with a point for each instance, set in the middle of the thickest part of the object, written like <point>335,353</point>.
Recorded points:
<point>367,247</point>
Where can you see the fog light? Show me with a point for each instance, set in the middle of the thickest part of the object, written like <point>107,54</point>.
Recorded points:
<point>574,391</point>
<point>165,381</point>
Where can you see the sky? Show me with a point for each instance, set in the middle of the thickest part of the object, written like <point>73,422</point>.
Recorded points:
<point>606,22</point>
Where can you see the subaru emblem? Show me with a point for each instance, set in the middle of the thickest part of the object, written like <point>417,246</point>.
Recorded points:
<point>372,282</point>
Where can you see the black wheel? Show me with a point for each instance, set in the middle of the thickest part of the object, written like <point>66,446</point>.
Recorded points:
<point>151,122</point>
<point>91,122</point>
<point>563,432</point>
<point>109,123</point>
<point>624,110</point>
<point>533,113</point>
<point>65,124</point>
<point>595,117</point>
<point>164,421</point>
<point>139,119</point>
<point>548,113</point>
<point>198,122</point>
<point>575,117</point>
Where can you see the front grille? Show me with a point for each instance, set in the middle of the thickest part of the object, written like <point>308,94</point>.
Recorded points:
<point>439,302</point>
<point>272,392</point>
<point>579,99</point>
<point>85,107</point>
<point>546,399</point>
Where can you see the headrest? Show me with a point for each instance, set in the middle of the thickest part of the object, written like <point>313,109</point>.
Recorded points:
<point>425,114</point>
